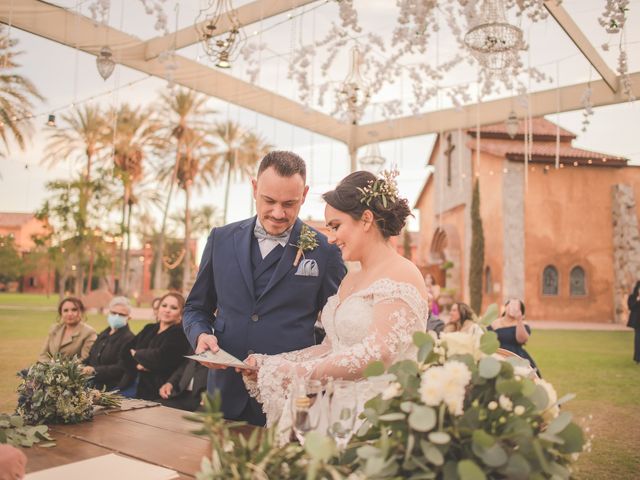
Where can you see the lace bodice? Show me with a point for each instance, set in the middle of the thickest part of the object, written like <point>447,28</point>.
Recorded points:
<point>375,323</point>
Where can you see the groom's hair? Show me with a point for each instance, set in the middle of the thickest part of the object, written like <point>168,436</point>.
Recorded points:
<point>286,164</point>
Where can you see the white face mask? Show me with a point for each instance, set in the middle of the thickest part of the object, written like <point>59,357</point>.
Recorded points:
<point>116,321</point>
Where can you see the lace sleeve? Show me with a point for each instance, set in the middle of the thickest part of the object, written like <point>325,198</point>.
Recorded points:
<point>389,336</point>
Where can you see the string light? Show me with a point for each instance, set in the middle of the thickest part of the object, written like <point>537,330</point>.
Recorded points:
<point>51,113</point>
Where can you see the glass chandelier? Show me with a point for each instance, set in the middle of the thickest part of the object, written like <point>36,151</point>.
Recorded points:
<point>354,93</point>
<point>372,160</point>
<point>493,41</point>
<point>224,48</point>
<point>105,63</point>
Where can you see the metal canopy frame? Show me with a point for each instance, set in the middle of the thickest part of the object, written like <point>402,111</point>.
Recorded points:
<point>48,21</point>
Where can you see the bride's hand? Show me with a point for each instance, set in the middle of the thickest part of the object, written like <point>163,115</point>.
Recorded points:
<point>249,375</point>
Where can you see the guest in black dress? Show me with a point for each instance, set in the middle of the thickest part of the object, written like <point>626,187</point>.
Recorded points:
<point>185,386</point>
<point>513,333</point>
<point>104,357</point>
<point>633,302</point>
<point>156,352</point>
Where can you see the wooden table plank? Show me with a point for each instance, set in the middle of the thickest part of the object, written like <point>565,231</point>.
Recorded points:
<point>166,418</point>
<point>67,450</point>
<point>174,450</point>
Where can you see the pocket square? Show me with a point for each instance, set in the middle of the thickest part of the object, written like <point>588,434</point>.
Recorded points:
<point>308,268</point>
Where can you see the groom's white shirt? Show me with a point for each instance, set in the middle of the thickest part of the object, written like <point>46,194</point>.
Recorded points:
<point>268,244</point>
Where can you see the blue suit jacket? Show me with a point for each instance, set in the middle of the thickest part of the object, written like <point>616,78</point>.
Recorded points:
<point>280,320</point>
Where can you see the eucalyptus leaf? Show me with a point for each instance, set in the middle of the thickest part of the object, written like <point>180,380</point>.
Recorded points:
<point>432,453</point>
<point>559,423</point>
<point>566,398</point>
<point>483,439</point>
<point>469,470</point>
<point>489,343</point>
<point>489,367</point>
<point>368,451</point>
<point>422,418</point>
<point>422,338</point>
<point>374,369</point>
<point>392,417</point>
<point>494,456</point>
<point>439,438</point>
<point>573,439</point>
<point>490,314</point>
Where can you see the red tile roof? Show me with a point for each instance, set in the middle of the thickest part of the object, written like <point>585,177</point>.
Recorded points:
<point>543,130</point>
<point>545,152</point>
<point>12,219</point>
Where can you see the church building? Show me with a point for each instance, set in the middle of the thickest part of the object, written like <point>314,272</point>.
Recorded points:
<point>560,223</point>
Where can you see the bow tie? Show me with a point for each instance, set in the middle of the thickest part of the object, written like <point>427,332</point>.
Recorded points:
<point>261,234</point>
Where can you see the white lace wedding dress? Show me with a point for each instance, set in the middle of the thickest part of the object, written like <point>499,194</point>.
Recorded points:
<point>376,323</point>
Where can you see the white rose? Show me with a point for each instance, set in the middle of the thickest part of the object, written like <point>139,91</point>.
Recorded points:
<point>505,403</point>
<point>458,372</point>
<point>552,410</point>
<point>462,343</point>
<point>393,390</point>
<point>518,410</point>
<point>431,386</point>
<point>492,405</point>
<point>454,404</point>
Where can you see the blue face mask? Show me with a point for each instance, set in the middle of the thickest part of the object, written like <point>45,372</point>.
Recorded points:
<point>116,321</point>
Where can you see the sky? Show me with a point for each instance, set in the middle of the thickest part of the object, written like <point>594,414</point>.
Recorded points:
<point>65,76</point>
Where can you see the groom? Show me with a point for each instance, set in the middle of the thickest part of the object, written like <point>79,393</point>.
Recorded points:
<point>248,296</point>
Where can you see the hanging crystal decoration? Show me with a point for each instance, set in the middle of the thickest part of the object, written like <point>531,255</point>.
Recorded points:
<point>372,160</point>
<point>354,93</point>
<point>512,124</point>
<point>105,62</point>
<point>221,48</point>
<point>493,41</point>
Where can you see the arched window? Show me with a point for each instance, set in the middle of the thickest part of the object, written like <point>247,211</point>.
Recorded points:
<point>488,281</point>
<point>550,280</point>
<point>577,284</point>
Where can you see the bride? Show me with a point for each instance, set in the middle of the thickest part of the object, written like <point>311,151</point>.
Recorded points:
<point>376,309</point>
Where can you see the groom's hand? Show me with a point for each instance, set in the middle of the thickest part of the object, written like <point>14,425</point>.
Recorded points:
<point>208,342</point>
<point>251,375</point>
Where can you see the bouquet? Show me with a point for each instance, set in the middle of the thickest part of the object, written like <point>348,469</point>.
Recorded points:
<point>459,411</point>
<point>59,392</point>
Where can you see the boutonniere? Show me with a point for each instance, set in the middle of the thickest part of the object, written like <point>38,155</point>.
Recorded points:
<point>306,242</point>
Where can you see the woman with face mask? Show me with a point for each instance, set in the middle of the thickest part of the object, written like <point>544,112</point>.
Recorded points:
<point>104,358</point>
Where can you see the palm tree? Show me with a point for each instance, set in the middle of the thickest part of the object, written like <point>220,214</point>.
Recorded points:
<point>197,167</point>
<point>16,96</point>
<point>182,114</point>
<point>255,148</point>
<point>237,152</point>
<point>135,137</point>
<point>84,133</point>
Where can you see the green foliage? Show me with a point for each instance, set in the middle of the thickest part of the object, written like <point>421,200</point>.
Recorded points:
<point>59,392</point>
<point>242,452</point>
<point>477,252</point>
<point>9,259</point>
<point>14,432</point>
<point>456,413</point>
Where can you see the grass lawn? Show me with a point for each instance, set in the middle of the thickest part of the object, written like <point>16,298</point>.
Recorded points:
<point>596,366</point>
<point>29,299</point>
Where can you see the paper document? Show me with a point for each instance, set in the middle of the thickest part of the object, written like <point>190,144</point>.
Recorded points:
<point>106,467</point>
<point>221,358</point>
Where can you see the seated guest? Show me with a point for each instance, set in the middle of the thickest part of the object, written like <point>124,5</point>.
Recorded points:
<point>154,353</point>
<point>70,335</point>
<point>433,289</point>
<point>461,319</point>
<point>104,358</point>
<point>155,305</point>
<point>434,323</point>
<point>185,386</point>
<point>512,331</point>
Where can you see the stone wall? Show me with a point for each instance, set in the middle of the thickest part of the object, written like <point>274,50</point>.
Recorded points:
<point>626,247</point>
<point>513,224</point>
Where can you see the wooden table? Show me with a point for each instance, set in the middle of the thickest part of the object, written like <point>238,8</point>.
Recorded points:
<point>157,435</point>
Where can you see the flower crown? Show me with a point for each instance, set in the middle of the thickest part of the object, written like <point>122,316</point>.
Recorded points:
<point>384,187</point>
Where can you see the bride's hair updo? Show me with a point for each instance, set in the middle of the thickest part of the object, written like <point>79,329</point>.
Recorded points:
<point>353,196</point>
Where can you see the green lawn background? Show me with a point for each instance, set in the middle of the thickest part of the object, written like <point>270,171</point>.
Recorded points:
<point>596,365</point>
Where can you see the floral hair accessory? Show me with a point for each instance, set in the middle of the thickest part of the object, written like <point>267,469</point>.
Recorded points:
<point>384,187</point>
